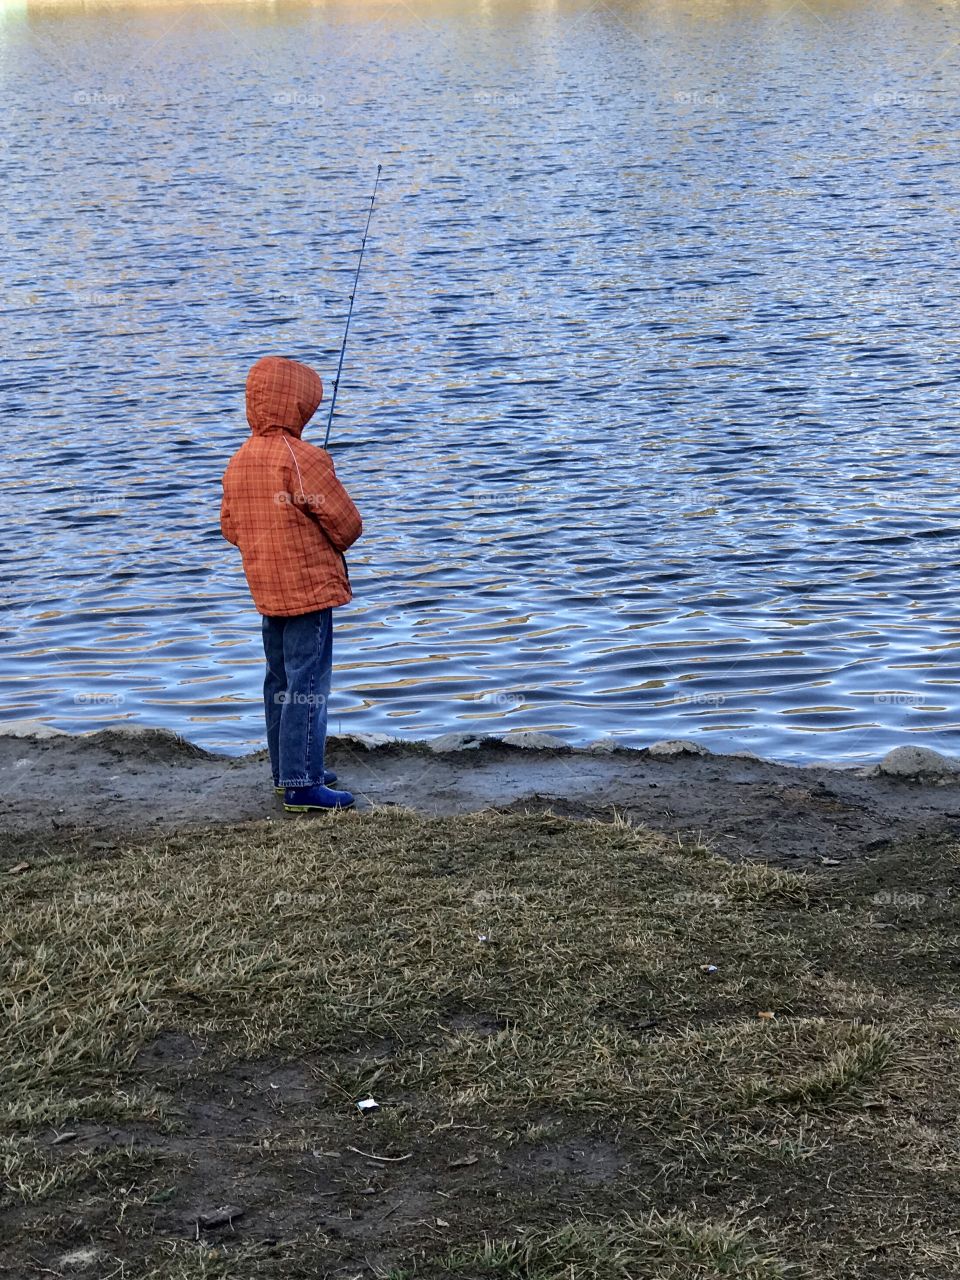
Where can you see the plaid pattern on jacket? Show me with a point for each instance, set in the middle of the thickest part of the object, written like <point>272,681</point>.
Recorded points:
<point>283,505</point>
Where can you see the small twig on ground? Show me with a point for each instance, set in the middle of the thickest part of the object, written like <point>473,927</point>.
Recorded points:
<point>368,1155</point>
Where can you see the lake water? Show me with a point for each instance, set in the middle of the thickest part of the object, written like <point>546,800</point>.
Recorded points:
<point>650,401</point>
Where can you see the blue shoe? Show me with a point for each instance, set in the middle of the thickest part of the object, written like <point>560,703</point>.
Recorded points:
<point>306,799</point>
<point>328,777</point>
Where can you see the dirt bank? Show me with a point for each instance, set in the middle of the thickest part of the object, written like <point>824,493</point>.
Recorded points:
<point>748,809</point>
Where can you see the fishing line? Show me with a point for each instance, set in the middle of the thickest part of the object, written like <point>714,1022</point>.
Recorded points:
<point>343,347</point>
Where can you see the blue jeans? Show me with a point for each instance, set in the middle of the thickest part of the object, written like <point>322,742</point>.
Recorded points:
<point>296,688</point>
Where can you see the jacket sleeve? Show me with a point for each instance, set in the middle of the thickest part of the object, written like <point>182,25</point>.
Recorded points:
<point>326,499</point>
<point>227,526</point>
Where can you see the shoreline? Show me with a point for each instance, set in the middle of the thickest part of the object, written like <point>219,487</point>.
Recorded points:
<point>132,779</point>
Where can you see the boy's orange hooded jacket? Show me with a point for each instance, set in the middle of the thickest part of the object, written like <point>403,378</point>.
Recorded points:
<point>283,505</point>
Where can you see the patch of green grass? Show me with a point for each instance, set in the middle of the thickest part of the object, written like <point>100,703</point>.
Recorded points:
<point>281,939</point>
<point>669,1248</point>
<point>200,1261</point>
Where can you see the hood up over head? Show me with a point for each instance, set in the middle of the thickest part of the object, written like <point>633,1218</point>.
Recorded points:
<point>282,395</point>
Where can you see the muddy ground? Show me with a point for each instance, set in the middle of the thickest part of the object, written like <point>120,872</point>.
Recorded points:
<point>115,781</point>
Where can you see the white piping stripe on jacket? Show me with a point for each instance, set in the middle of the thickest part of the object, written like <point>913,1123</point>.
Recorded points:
<point>296,464</point>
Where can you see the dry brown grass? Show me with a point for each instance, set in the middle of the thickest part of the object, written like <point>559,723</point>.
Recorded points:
<point>500,984</point>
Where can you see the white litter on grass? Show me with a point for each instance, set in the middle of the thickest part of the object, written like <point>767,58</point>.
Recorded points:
<point>368,1104</point>
<point>709,968</point>
<point>80,1259</point>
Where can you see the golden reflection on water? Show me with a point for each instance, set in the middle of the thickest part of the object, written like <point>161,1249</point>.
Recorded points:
<point>681,11</point>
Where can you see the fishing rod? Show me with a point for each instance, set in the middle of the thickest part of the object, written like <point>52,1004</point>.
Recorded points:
<point>343,347</point>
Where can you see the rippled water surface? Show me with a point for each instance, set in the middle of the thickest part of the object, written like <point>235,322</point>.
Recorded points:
<point>650,402</point>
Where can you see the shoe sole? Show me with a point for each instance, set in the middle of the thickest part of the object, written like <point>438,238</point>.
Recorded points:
<point>317,808</point>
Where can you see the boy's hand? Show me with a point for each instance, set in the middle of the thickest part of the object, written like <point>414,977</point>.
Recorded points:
<point>227,526</point>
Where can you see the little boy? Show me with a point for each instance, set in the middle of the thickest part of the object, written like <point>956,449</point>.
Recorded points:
<point>292,519</point>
